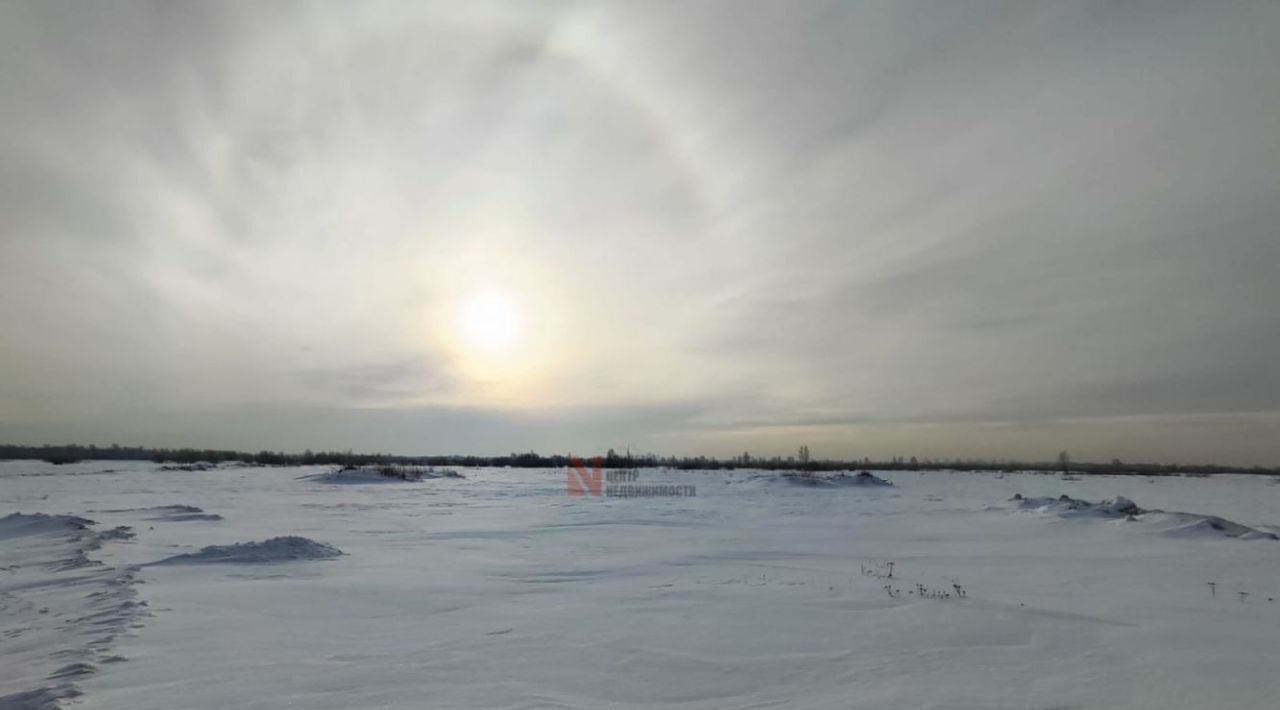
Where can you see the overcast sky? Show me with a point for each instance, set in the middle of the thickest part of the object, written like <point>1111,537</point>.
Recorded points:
<point>892,228</point>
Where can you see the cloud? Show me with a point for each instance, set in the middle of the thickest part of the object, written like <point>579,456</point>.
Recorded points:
<point>846,223</point>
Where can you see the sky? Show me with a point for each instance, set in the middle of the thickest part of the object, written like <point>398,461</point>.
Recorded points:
<point>933,229</point>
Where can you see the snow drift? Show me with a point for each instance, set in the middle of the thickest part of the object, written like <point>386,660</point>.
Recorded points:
<point>22,524</point>
<point>1192,525</point>
<point>1066,506</point>
<point>382,474</point>
<point>277,549</point>
<point>1173,523</point>
<point>181,513</point>
<point>61,611</point>
<point>170,513</point>
<point>839,480</point>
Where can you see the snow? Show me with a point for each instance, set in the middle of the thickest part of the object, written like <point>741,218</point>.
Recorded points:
<point>62,609</point>
<point>277,549</point>
<point>383,475</point>
<point>171,513</point>
<point>176,513</point>
<point>1174,524</point>
<point>1189,525</point>
<point>501,591</point>
<point>826,480</point>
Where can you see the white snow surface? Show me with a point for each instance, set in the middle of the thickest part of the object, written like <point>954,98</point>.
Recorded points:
<point>501,591</point>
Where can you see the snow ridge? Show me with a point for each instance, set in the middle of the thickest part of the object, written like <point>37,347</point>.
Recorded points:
<point>839,480</point>
<point>62,609</point>
<point>1175,524</point>
<point>277,549</point>
<point>383,474</point>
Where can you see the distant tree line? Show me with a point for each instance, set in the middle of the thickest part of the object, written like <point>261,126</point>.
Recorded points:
<point>802,461</point>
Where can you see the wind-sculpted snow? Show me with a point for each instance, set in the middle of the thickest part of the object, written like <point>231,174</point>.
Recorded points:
<point>1170,523</point>
<point>181,513</point>
<point>837,480</point>
<point>17,525</point>
<point>1191,525</point>
<point>1064,505</point>
<point>170,513</point>
<point>277,549</point>
<point>388,474</point>
<point>61,610</point>
<point>49,698</point>
<point>197,466</point>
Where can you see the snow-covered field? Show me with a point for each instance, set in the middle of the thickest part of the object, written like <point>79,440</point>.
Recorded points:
<point>499,590</point>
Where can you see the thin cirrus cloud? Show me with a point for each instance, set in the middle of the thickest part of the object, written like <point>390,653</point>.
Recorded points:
<point>880,229</point>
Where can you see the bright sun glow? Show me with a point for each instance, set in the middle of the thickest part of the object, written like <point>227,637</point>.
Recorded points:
<point>490,321</point>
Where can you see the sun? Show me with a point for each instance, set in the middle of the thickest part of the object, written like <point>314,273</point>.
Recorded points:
<point>490,321</point>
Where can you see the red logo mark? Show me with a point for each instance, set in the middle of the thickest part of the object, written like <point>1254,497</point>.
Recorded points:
<point>583,482</point>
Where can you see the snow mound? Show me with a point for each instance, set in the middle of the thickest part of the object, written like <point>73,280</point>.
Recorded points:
<point>1192,526</point>
<point>839,480</point>
<point>170,513</point>
<point>120,532</point>
<point>1066,506</point>
<point>181,513</point>
<point>1175,524</point>
<point>39,699</point>
<point>24,524</point>
<point>277,549</point>
<point>197,466</point>
<point>383,474</point>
